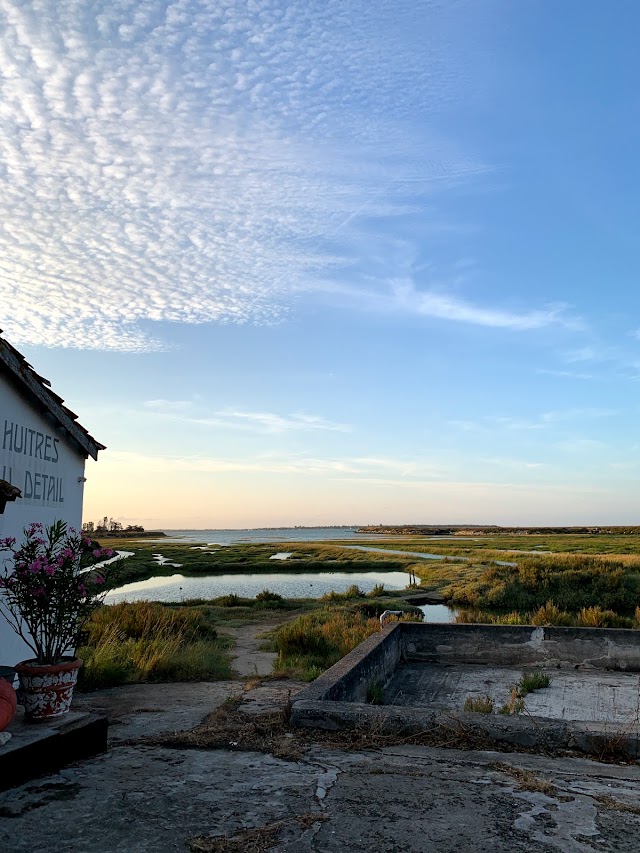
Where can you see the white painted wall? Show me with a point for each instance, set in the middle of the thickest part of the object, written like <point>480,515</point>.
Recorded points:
<point>50,474</point>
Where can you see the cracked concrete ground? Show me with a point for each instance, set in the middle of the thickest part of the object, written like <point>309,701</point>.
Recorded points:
<point>139,798</point>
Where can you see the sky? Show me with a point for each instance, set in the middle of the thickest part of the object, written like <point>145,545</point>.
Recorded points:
<point>318,262</point>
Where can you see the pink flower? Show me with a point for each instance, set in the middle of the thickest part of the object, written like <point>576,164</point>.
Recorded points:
<point>97,552</point>
<point>40,590</point>
<point>98,579</point>
<point>50,570</point>
<point>82,590</point>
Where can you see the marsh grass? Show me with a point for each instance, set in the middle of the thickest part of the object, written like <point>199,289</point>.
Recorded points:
<point>549,615</point>
<point>146,641</point>
<point>313,642</point>
<point>572,582</point>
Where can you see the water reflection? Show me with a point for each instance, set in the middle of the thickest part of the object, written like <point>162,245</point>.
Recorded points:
<point>308,585</point>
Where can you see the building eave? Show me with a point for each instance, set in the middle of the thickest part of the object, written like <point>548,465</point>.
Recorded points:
<point>14,365</point>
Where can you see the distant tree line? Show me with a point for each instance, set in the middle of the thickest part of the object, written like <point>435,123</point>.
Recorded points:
<point>110,525</point>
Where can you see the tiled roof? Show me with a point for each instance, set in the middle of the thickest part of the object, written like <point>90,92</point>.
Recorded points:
<point>38,389</point>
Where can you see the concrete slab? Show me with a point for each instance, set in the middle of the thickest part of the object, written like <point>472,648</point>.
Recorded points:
<point>136,710</point>
<point>138,799</point>
<point>37,748</point>
<point>589,695</point>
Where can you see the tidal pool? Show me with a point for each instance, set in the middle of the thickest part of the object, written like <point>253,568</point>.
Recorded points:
<point>308,585</point>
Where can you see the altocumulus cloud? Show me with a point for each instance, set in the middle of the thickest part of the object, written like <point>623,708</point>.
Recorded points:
<point>198,161</point>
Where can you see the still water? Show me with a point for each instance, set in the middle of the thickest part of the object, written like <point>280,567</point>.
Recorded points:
<point>308,585</point>
<point>176,588</point>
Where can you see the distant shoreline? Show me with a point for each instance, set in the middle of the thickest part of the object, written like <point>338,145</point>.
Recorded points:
<point>130,534</point>
<point>244,529</point>
<point>488,529</point>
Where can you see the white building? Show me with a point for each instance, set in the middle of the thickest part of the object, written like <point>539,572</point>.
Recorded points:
<point>42,453</point>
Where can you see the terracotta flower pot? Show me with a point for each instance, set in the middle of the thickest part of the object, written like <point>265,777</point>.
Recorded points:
<point>46,690</point>
<point>7,704</point>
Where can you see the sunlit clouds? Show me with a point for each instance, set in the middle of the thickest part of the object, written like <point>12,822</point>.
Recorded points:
<point>185,162</point>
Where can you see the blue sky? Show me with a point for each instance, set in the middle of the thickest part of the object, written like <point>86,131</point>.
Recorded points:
<point>328,262</point>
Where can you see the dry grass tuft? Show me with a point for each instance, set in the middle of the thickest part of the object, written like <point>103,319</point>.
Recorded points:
<point>528,781</point>
<point>616,805</point>
<point>479,704</point>
<point>257,840</point>
<point>231,728</point>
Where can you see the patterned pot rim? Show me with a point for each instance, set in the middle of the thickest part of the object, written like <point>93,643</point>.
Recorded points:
<point>32,667</point>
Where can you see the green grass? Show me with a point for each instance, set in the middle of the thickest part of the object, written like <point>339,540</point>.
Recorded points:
<point>375,693</point>
<point>531,681</point>
<point>146,641</point>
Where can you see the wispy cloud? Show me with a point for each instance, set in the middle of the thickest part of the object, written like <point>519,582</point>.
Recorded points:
<point>545,420</point>
<point>516,464</point>
<point>270,422</point>
<point>182,161</point>
<point>566,374</point>
<point>618,359</point>
<point>168,406</point>
<point>403,296</point>
<point>306,465</point>
<point>581,445</point>
<point>186,412</point>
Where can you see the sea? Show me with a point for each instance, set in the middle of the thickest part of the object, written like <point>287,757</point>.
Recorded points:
<point>264,534</point>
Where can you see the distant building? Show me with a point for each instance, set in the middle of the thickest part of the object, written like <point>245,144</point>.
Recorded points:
<point>42,454</point>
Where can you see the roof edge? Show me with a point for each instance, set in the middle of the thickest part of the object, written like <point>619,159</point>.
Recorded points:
<point>38,387</point>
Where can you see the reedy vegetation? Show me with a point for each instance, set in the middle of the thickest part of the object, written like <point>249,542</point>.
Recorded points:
<point>147,641</point>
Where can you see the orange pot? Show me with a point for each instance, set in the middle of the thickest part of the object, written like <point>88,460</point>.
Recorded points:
<point>7,704</point>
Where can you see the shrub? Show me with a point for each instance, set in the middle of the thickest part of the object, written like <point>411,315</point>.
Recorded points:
<point>267,595</point>
<point>232,600</point>
<point>270,600</point>
<point>596,617</point>
<point>549,614</point>
<point>340,597</point>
